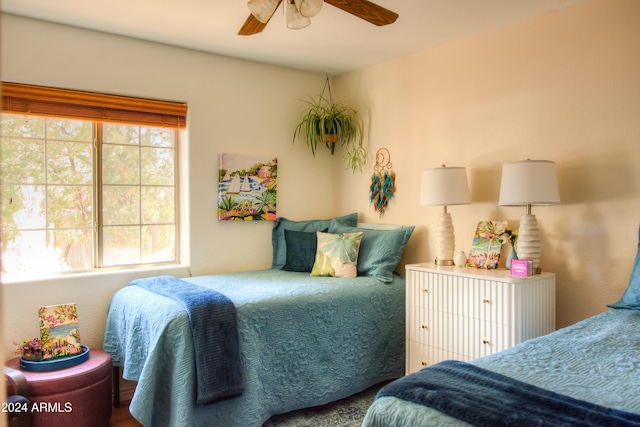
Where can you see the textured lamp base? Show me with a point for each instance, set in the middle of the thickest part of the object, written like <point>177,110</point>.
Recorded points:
<point>445,240</point>
<point>529,241</point>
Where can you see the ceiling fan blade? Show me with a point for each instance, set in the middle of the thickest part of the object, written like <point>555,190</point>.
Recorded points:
<point>253,26</point>
<point>366,10</point>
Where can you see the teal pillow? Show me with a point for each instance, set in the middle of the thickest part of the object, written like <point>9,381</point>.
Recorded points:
<point>278,239</point>
<point>301,250</point>
<point>631,297</point>
<point>380,250</point>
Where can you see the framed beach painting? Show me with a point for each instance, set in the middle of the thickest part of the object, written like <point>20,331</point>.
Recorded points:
<point>247,188</point>
<point>487,244</point>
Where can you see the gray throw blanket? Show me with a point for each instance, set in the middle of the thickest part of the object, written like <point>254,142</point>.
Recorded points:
<point>485,398</point>
<point>215,335</point>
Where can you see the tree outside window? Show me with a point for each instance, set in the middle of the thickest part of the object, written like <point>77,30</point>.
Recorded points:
<point>79,195</point>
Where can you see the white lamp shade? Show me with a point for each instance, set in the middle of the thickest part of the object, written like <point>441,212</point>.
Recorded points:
<point>529,182</point>
<point>262,10</point>
<point>309,8</point>
<point>444,187</point>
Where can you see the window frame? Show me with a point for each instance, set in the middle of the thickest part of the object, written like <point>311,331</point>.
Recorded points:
<point>99,219</point>
<point>143,112</point>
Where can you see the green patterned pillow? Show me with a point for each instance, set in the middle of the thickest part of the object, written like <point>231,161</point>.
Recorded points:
<point>337,254</point>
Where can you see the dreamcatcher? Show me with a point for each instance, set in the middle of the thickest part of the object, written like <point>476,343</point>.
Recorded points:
<point>382,182</point>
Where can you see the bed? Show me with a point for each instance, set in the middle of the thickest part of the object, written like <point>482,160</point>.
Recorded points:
<point>586,371</point>
<point>303,339</point>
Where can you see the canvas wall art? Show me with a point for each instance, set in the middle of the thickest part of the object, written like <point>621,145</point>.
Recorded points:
<point>487,244</point>
<point>59,330</point>
<point>247,188</point>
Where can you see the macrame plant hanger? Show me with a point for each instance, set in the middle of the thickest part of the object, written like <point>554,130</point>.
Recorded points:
<point>327,86</point>
<point>383,182</point>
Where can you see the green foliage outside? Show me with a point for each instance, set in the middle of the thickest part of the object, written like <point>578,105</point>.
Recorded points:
<point>49,201</point>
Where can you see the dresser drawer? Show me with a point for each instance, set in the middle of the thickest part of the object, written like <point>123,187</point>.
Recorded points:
<point>478,299</point>
<point>421,356</point>
<point>486,338</point>
<point>427,325</point>
<point>419,289</point>
<point>465,337</point>
<point>416,357</point>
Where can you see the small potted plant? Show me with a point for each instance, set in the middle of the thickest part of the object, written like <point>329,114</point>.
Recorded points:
<point>329,123</point>
<point>30,350</point>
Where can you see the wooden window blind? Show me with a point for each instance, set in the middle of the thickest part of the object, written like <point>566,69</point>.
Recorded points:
<point>73,104</point>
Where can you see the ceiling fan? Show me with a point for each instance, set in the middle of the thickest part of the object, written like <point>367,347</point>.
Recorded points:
<point>299,12</point>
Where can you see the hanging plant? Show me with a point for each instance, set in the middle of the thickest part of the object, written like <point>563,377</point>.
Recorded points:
<point>329,123</point>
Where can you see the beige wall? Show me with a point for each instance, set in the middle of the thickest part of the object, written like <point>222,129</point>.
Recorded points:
<point>234,106</point>
<point>562,87</point>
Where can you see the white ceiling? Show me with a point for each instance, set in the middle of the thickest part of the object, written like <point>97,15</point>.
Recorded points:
<point>335,41</point>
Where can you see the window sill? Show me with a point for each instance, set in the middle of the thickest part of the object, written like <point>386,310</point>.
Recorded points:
<point>123,273</point>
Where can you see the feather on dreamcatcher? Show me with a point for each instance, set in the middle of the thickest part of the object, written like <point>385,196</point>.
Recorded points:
<point>383,182</point>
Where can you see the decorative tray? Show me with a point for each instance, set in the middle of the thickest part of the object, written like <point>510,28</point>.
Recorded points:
<point>55,364</point>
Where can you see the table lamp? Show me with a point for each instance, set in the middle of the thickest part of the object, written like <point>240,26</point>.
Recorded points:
<point>529,183</point>
<point>444,187</point>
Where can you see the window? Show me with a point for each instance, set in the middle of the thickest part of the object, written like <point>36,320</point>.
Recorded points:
<point>83,194</point>
<point>138,195</point>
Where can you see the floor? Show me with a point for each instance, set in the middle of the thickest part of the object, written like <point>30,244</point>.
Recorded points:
<point>347,412</point>
<point>120,417</point>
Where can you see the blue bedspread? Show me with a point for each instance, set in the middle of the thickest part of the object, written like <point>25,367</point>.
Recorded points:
<point>215,335</point>
<point>304,341</point>
<point>485,398</point>
<point>596,360</point>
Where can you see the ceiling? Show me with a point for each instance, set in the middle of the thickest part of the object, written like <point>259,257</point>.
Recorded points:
<point>335,41</point>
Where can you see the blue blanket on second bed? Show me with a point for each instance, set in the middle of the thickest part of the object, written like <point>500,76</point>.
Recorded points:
<point>215,335</point>
<point>484,398</point>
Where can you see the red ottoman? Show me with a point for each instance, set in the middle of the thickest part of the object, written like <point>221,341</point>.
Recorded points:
<point>76,396</point>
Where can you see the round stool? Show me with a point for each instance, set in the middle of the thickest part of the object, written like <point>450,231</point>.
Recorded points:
<point>78,396</point>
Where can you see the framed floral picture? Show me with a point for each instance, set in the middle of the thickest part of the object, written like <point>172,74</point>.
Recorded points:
<point>487,244</point>
<point>59,330</point>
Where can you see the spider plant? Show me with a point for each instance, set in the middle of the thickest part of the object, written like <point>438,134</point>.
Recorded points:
<point>329,123</point>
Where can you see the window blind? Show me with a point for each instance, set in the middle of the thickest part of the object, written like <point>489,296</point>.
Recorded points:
<point>73,104</point>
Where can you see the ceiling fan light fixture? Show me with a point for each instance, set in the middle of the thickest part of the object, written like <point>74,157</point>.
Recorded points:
<point>309,8</point>
<point>295,20</point>
<point>298,12</point>
<point>262,10</point>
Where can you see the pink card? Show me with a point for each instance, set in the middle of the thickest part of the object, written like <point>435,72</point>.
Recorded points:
<point>521,267</point>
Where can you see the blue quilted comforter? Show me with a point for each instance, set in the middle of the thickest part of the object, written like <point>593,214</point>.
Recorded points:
<point>596,360</point>
<point>486,398</point>
<point>304,341</point>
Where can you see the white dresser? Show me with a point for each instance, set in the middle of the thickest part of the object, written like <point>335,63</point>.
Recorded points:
<point>465,313</point>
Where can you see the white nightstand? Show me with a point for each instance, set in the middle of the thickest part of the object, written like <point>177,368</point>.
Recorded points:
<point>465,313</point>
